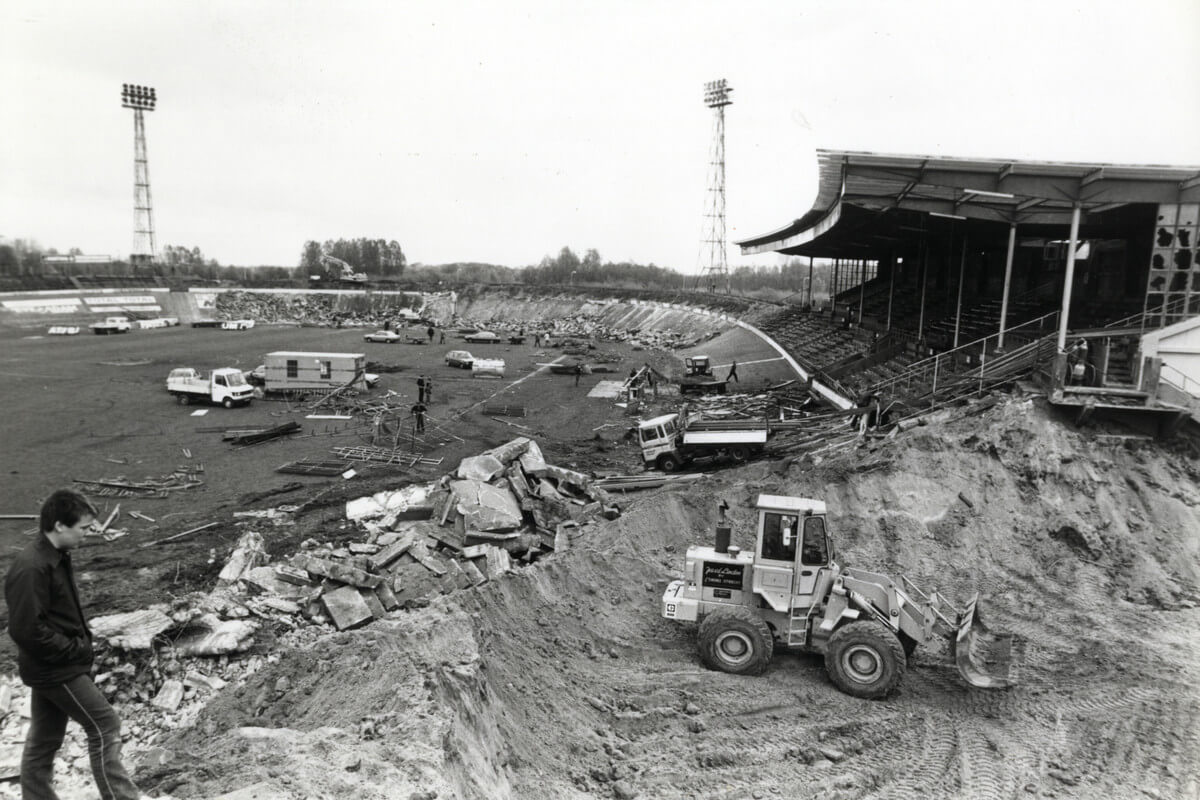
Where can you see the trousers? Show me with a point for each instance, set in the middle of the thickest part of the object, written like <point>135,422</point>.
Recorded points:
<point>78,699</point>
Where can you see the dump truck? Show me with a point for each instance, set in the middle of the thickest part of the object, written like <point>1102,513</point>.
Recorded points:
<point>791,592</point>
<point>698,377</point>
<point>226,387</point>
<point>672,440</point>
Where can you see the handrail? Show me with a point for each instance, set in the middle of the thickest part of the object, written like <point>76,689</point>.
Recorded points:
<point>1140,317</point>
<point>1187,379</point>
<point>935,363</point>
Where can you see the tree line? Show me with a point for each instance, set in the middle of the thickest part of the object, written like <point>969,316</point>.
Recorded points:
<point>378,258</point>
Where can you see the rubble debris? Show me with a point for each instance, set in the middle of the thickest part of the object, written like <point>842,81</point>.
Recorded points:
<point>169,696</point>
<point>133,630</point>
<point>346,607</point>
<point>183,477</point>
<point>215,636</point>
<point>279,431</point>
<point>486,507</point>
<point>479,468</point>
<point>338,572</point>
<point>314,467</point>
<point>381,455</point>
<point>248,553</point>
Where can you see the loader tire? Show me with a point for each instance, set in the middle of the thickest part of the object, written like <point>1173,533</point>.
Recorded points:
<point>736,640</point>
<point>739,454</point>
<point>865,659</point>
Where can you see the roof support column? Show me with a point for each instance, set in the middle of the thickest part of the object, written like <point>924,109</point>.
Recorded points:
<point>1008,262</point>
<point>833,287</point>
<point>962,267</point>
<point>924,283</point>
<point>891,288</point>
<point>862,288</point>
<point>1069,281</point>
<point>810,277</point>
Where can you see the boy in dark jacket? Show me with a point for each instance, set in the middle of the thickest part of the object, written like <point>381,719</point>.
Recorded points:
<point>54,654</point>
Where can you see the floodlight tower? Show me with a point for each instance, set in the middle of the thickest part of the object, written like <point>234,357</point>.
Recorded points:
<point>715,266</point>
<point>140,98</point>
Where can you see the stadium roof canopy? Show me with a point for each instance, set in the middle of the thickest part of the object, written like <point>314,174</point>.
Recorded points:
<point>868,203</point>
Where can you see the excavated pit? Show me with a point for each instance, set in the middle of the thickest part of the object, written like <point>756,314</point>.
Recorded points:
<point>561,680</point>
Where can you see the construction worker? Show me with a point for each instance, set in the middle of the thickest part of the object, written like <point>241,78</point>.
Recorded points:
<point>421,389</point>
<point>430,332</point>
<point>441,337</point>
<point>418,412</point>
<point>578,372</point>
<point>732,376</point>
<point>428,389</point>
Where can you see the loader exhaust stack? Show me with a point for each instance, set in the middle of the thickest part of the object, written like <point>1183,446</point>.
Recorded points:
<point>984,658</point>
<point>721,545</point>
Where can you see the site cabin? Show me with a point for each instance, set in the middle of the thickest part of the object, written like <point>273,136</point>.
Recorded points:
<point>111,325</point>
<point>286,371</point>
<point>668,443</point>
<point>226,387</point>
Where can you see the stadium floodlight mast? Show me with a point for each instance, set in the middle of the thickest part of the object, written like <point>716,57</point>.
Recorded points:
<point>715,265</point>
<point>140,99</point>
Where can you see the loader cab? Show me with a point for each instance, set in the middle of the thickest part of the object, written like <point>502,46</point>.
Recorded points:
<point>697,365</point>
<point>793,552</point>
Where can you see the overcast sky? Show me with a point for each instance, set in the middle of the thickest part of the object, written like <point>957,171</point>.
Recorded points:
<point>501,131</point>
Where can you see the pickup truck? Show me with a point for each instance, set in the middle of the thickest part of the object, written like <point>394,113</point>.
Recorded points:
<point>227,387</point>
<point>671,441</point>
<point>111,325</point>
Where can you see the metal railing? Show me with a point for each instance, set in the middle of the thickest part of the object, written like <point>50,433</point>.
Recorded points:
<point>1185,383</point>
<point>925,375</point>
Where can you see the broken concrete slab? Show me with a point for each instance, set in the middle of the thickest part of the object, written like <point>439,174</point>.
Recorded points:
<point>510,451</point>
<point>486,507</point>
<point>497,561</point>
<point>518,483</point>
<point>373,602</point>
<point>267,581</point>
<point>472,572</point>
<point>294,575</point>
<point>479,468</point>
<point>134,630</point>
<point>210,636</point>
<point>411,582</point>
<point>346,607</point>
<point>420,551</point>
<point>393,551</point>
<point>248,553</point>
<point>387,598</point>
<point>382,504</point>
<point>532,461</point>
<point>569,475</point>
<point>338,572</point>
<point>198,680</point>
<point>169,696</point>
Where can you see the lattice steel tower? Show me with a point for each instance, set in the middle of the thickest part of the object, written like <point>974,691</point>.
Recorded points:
<point>714,264</point>
<point>140,98</point>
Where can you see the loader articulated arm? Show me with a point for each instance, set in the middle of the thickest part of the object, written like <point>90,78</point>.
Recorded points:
<point>983,658</point>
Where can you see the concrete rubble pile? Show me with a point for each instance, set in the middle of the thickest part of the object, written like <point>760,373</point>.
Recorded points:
<point>579,330</point>
<point>309,309</point>
<point>160,665</point>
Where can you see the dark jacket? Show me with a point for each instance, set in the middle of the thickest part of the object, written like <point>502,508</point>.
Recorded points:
<point>45,619</point>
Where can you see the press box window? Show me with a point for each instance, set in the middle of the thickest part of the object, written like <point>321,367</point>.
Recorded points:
<point>293,368</point>
<point>326,369</point>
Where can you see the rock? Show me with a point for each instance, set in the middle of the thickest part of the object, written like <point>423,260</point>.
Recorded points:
<point>346,607</point>
<point>691,709</point>
<point>134,630</point>
<point>248,553</point>
<point>201,681</point>
<point>498,562</point>
<point>509,451</point>
<point>532,461</point>
<point>217,637</point>
<point>363,549</point>
<point>485,507</point>
<point>338,572</point>
<point>154,757</point>
<point>5,700</point>
<point>392,551</point>
<point>169,696</point>
<point>479,468</point>
<point>623,790</point>
<point>383,504</point>
<point>832,753</point>
<point>293,575</point>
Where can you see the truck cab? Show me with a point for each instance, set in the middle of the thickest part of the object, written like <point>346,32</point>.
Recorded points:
<point>112,325</point>
<point>227,386</point>
<point>697,365</point>
<point>658,437</point>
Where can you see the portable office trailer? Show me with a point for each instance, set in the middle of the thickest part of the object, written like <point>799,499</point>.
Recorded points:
<point>287,370</point>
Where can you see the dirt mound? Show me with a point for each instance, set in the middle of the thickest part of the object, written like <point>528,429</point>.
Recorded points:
<point>562,680</point>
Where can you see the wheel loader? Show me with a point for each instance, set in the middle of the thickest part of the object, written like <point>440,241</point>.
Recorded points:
<point>792,592</point>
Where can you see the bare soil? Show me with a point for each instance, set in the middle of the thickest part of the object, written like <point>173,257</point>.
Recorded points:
<point>562,680</point>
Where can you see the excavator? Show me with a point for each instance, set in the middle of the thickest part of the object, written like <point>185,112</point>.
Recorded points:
<point>344,272</point>
<point>792,592</point>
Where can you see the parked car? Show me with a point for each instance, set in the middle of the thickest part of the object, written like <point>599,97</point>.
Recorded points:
<point>460,358</point>
<point>482,337</point>
<point>387,337</point>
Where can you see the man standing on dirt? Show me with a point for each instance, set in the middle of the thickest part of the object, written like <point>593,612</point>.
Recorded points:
<point>441,337</point>
<point>430,332</point>
<point>428,389</point>
<point>54,654</point>
<point>732,376</point>
<point>418,412</point>
<point>578,372</point>
<point>421,389</point>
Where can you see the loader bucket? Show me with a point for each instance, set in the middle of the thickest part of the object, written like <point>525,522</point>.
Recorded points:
<point>985,659</point>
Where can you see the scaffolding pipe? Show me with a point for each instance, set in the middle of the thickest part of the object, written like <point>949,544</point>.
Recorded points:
<point>1008,262</point>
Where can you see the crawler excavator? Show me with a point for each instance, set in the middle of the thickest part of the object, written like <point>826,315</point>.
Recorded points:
<point>791,592</point>
<point>342,271</point>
